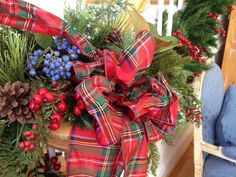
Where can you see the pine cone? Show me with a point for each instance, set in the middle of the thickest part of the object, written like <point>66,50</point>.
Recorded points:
<point>14,102</point>
<point>114,38</point>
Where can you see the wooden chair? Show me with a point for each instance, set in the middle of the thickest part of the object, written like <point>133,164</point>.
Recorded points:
<point>202,146</point>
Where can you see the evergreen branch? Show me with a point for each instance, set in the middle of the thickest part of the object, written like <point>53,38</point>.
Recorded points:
<point>153,158</point>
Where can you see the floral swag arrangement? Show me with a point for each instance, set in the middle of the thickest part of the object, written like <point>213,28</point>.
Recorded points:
<point>104,70</point>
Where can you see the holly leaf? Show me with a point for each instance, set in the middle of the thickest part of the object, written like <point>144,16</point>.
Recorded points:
<point>44,40</point>
<point>166,43</point>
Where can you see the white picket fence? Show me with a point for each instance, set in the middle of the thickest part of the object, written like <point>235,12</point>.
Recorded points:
<point>154,14</point>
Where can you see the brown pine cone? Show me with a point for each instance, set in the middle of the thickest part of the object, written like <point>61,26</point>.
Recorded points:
<point>114,38</point>
<point>14,102</point>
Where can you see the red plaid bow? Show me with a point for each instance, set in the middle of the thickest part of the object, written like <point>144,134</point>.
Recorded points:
<point>126,119</point>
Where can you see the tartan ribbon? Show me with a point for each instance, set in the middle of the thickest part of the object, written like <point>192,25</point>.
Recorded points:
<point>129,109</point>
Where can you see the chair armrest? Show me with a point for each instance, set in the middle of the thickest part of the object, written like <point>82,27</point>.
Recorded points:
<point>218,151</point>
<point>229,151</point>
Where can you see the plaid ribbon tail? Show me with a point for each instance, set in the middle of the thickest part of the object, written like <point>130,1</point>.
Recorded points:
<point>22,15</point>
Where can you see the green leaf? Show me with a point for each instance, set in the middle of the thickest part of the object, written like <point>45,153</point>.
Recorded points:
<point>166,43</point>
<point>2,126</point>
<point>44,40</point>
<point>153,29</point>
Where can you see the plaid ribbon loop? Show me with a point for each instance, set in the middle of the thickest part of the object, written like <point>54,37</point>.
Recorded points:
<point>129,110</point>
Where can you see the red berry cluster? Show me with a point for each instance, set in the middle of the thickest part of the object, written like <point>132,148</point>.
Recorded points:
<point>214,16</point>
<point>222,32</point>
<point>43,96</point>
<point>194,114</point>
<point>54,164</point>
<point>29,145</point>
<point>194,51</point>
<point>57,116</point>
<point>80,106</point>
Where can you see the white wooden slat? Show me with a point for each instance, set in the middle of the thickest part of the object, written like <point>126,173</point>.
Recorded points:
<point>160,11</point>
<point>180,4</point>
<point>171,11</point>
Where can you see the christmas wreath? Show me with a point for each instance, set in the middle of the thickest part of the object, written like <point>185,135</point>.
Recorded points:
<point>105,70</point>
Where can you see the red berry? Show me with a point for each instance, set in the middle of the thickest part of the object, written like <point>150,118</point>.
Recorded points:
<point>27,133</point>
<point>49,97</point>
<point>62,106</point>
<point>181,38</point>
<point>37,99</point>
<point>27,143</point>
<point>32,147</point>
<point>54,125</point>
<point>55,84</point>
<point>56,117</point>
<point>35,126</point>
<point>54,160</point>
<point>81,105</point>
<point>68,84</point>
<point>199,117</point>
<point>46,168</point>
<point>203,61</point>
<point>28,138</point>
<point>43,91</point>
<point>189,112</point>
<point>62,97</point>
<point>188,43</point>
<point>200,57</point>
<point>34,107</point>
<point>77,111</point>
<point>26,149</point>
<point>78,97</point>
<point>33,137</point>
<point>215,17</point>
<point>210,14</point>
<point>179,31</point>
<point>174,34</point>
<point>181,44</point>
<point>21,146</point>
<point>57,167</point>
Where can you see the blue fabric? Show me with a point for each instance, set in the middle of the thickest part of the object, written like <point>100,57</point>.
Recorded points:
<point>230,152</point>
<point>226,124</point>
<point>212,98</point>
<point>217,167</point>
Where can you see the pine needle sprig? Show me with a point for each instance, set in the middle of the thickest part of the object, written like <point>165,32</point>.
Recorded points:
<point>14,49</point>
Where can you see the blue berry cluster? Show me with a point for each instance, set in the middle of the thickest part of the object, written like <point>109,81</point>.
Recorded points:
<point>57,66</point>
<point>72,50</point>
<point>57,63</point>
<point>33,61</point>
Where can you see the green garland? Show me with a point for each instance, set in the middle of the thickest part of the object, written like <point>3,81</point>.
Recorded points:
<point>197,25</point>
